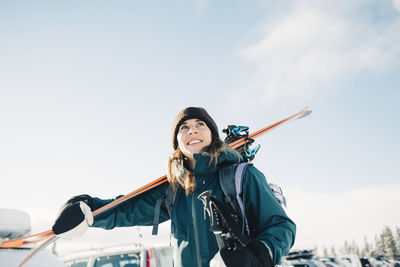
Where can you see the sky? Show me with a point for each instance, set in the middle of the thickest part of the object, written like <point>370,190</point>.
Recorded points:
<point>89,91</point>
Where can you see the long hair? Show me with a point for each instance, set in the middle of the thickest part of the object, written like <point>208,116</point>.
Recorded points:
<point>178,172</point>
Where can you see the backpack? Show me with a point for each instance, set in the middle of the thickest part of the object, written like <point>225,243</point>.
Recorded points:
<point>231,182</point>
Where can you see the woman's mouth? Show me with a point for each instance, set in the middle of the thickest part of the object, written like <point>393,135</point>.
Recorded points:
<point>192,142</point>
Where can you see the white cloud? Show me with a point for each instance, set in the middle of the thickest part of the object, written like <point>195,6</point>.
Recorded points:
<point>312,46</point>
<point>330,219</point>
<point>396,4</point>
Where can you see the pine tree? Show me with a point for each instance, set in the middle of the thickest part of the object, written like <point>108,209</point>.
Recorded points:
<point>397,243</point>
<point>325,252</point>
<point>346,249</point>
<point>389,243</point>
<point>379,246</point>
<point>333,251</point>
<point>315,251</point>
<point>341,250</point>
<point>398,236</point>
<point>354,248</point>
<point>366,252</point>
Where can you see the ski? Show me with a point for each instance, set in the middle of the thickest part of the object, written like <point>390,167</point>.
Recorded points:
<point>49,240</point>
<point>22,241</point>
<point>49,235</point>
<point>301,114</point>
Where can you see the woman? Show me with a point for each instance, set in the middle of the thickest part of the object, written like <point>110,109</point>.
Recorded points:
<point>192,169</point>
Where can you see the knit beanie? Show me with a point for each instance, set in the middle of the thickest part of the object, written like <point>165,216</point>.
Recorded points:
<point>193,113</point>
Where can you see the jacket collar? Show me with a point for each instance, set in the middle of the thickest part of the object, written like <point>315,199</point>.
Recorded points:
<point>203,166</point>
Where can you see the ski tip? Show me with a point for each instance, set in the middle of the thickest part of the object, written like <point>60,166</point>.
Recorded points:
<point>305,113</point>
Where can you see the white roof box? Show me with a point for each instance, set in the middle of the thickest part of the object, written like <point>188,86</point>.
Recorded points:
<point>14,223</point>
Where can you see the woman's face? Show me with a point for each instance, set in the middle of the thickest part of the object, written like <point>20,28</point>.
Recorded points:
<point>193,137</point>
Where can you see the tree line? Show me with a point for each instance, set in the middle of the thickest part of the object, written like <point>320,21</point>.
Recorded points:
<point>386,244</point>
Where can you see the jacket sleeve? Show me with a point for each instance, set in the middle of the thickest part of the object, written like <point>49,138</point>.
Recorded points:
<point>272,225</point>
<point>136,211</point>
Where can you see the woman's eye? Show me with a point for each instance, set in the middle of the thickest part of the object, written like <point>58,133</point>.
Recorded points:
<point>184,127</point>
<point>200,124</point>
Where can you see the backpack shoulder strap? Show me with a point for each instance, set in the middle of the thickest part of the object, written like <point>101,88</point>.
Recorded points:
<point>231,182</point>
<point>239,174</point>
<point>226,180</point>
<point>169,199</point>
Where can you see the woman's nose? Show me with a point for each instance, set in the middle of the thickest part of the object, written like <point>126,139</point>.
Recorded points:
<point>192,129</point>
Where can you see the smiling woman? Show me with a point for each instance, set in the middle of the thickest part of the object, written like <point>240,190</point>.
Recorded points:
<point>193,132</point>
<point>195,169</point>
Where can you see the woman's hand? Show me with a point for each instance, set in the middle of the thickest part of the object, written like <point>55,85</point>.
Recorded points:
<point>74,218</point>
<point>255,254</point>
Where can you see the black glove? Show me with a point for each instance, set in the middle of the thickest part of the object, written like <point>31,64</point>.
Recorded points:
<point>255,254</point>
<point>85,198</point>
<point>75,217</point>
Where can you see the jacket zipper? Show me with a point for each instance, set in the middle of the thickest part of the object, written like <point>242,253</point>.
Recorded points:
<point>196,233</point>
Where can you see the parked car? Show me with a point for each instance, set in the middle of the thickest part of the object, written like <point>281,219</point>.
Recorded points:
<point>351,260</point>
<point>380,261</point>
<point>366,263</point>
<point>331,262</point>
<point>302,258</point>
<point>301,263</point>
<point>15,224</point>
<point>122,256</point>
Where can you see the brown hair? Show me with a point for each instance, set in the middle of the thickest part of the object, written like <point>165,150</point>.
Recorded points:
<point>178,172</point>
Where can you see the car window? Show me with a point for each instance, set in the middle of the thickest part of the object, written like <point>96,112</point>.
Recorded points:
<point>78,264</point>
<point>123,260</point>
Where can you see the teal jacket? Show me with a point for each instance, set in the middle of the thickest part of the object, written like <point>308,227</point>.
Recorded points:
<point>195,244</point>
